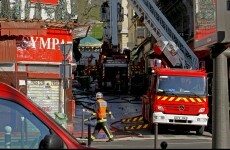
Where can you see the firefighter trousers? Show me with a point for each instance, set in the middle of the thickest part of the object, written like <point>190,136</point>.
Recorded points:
<point>98,127</point>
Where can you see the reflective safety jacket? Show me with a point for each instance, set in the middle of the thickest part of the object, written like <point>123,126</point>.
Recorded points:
<point>101,109</point>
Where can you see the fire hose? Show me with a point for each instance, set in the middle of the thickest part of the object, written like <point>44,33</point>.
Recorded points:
<point>112,125</point>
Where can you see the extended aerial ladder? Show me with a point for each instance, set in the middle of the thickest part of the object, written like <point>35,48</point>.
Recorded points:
<point>168,40</point>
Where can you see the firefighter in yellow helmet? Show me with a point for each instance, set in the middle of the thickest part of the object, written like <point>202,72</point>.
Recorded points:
<point>101,110</point>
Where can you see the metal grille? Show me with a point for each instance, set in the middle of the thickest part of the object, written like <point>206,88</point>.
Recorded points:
<point>187,108</point>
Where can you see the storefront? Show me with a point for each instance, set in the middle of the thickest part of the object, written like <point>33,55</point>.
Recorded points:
<point>31,63</point>
<point>46,93</point>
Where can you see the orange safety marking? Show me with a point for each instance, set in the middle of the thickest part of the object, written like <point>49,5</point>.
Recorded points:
<point>192,99</point>
<point>171,98</point>
<point>164,98</point>
<point>182,98</point>
<point>134,119</point>
<point>136,127</point>
<point>177,99</point>
<point>199,99</point>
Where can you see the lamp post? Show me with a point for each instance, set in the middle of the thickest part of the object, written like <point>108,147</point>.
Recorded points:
<point>63,79</point>
<point>64,74</point>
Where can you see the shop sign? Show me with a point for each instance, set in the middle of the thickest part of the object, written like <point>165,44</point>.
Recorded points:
<point>42,48</point>
<point>45,1</point>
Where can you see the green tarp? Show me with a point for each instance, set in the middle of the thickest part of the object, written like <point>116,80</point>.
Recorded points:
<point>90,41</point>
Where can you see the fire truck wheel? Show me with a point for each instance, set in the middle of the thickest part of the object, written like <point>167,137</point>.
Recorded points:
<point>200,130</point>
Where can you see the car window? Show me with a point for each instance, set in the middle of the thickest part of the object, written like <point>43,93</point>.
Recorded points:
<point>19,128</point>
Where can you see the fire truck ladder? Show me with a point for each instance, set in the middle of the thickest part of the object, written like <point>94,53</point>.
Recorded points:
<point>168,40</point>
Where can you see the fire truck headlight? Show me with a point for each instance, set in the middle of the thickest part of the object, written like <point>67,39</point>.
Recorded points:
<point>161,108</point>
<point>201,119</point>
<point>201,110</point>
<point>159,117</point>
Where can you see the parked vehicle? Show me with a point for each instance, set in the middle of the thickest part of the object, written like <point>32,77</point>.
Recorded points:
<point>176,99</point>
<point>113,71</point>
<point>25,125</point>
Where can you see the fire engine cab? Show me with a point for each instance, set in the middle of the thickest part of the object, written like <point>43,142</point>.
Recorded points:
<point>176,98</point>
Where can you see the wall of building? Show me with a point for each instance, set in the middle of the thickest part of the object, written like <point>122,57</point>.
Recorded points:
<point>31,63</point>
<point>124,32</point>
<point>47,9</point>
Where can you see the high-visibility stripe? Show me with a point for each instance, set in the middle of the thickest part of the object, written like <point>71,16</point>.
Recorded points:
<point>139,126</point>
<point>107,130</point>
<point>134,119</point>
<point>192,99</point>
<point>102,120</point>
<point>92,137</point>
<point>136,127</point>
<point>164,98</point>
<point>146,125</point>
<point>199,100</point>
<point>181,98</point>
<point>171,99</point>
<point>177,99</point>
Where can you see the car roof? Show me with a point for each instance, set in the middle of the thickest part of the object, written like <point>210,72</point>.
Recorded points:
<point>9,92</point>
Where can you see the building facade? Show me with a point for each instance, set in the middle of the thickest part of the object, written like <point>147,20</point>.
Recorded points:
<point>31,57</point>
<point>180,14</point>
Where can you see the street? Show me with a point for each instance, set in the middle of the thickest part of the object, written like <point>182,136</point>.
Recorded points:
<point>158,63</point>
<point>125,106</point>
<point>148,143</point>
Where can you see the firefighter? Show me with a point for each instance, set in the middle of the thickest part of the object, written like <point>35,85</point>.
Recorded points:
<point>105,47</point>
<point>118,81</point>
<point>100,112</point>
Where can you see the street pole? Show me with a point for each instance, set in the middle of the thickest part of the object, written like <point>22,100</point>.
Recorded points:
<point>64,80</point>
<point>156,135</point>
<point>82,125</point>
<point>65,74</point>
<point>220,102</point>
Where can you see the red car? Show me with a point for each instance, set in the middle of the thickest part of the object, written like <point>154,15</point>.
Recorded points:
<point>24,125</point>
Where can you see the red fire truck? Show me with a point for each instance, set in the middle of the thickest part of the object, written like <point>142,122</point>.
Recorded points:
<point>176,98</point>
<point>113,71</point>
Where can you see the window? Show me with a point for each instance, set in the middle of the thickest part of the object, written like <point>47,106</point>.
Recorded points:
<point>184,85</point>
<point>19,128</point>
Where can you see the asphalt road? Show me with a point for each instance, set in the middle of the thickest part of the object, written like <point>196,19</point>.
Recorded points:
<point>149,144</point>
<point>126,106</point>
<point>122,106</point>
<point>146,140</point>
